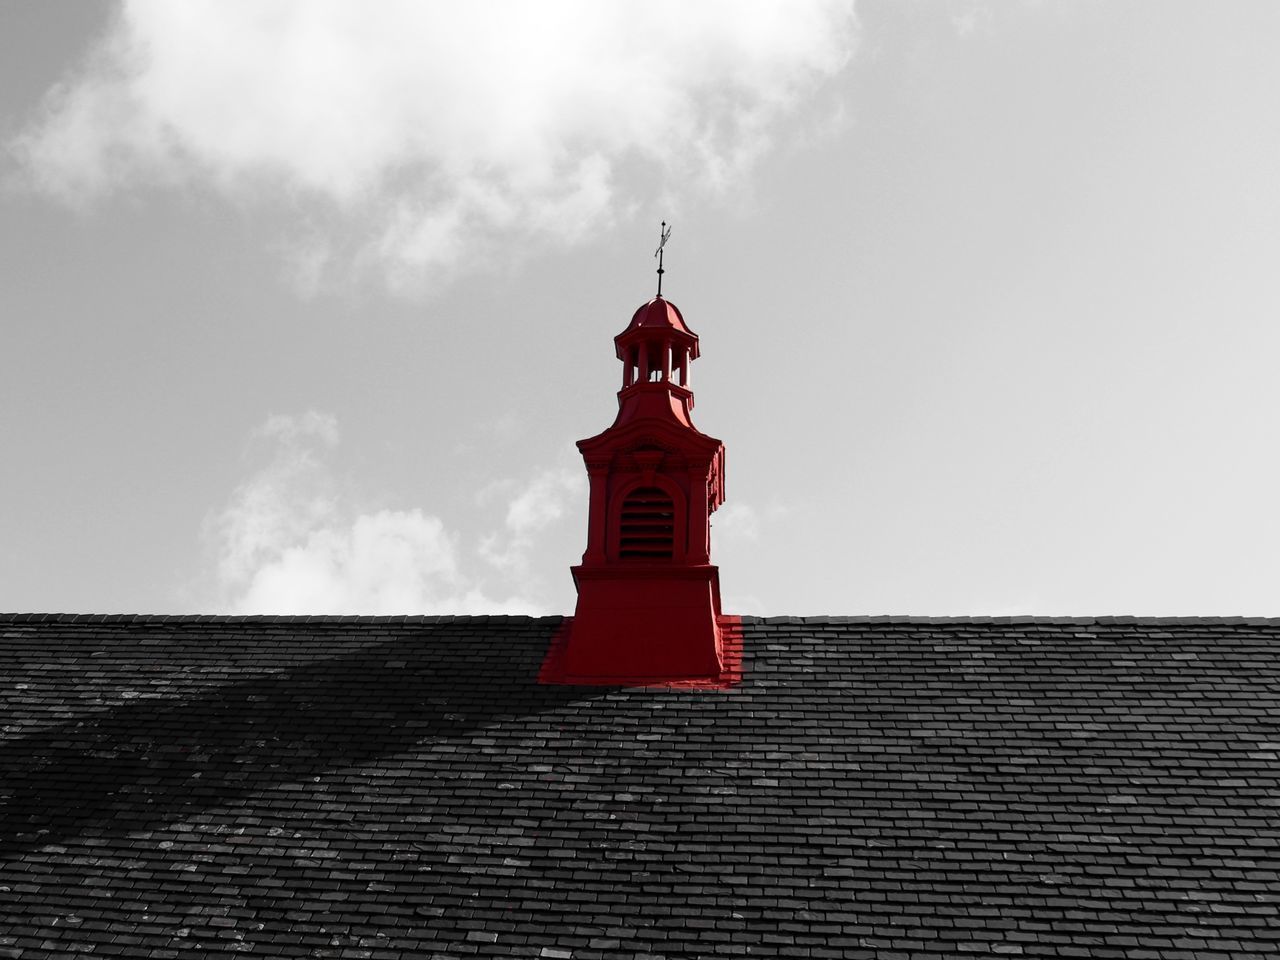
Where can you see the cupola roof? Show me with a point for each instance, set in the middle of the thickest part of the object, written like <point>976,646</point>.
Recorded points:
<point>657,320</point>
<point>658,313</point>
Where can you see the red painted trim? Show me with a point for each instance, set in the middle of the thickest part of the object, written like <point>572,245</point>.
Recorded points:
<point>552,670</point>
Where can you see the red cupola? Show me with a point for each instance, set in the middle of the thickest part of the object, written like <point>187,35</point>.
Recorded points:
<point>648,596</point>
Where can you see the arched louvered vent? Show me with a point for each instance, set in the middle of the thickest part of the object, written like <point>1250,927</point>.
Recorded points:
<point>648,525</point>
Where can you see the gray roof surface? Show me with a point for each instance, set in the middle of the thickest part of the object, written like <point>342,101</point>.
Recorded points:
<point>874,787</point>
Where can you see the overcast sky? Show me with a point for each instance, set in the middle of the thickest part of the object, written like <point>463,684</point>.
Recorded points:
<point>304,304</point>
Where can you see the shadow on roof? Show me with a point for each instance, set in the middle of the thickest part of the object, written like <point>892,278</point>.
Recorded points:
<point>143,763</point>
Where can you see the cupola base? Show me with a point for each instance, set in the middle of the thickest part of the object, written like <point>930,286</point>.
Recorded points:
<point>644,623</point>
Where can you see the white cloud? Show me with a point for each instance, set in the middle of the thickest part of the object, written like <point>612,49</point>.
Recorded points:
<point>389,562</point>
<point>970,16</point>
<point>532,507</point>
<point>431,130</point>
<point>738,521</point>
<point>295,431</point>
<point>290,496</point>
<point>290,542</point>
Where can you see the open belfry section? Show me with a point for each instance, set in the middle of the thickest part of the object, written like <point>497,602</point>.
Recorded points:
<point>648,595</point>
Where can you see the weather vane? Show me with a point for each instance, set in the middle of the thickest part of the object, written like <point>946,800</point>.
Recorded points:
<point>663,236</point>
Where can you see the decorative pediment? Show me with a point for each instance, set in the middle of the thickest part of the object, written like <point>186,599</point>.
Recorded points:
<point>649,459</point>
<point>650,442</point>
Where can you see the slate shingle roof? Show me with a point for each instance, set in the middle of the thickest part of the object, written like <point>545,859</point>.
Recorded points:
<point>392,787</point>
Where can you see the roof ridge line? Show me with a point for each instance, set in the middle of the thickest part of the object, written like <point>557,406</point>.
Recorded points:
<point>269,618</point>
<point>406,619</point>
<point>894,619</point>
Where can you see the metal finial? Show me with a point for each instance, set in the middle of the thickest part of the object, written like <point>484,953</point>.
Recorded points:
<point>664,234</point>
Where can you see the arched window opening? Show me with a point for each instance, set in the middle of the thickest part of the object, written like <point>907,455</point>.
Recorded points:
<point>648,525</point>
